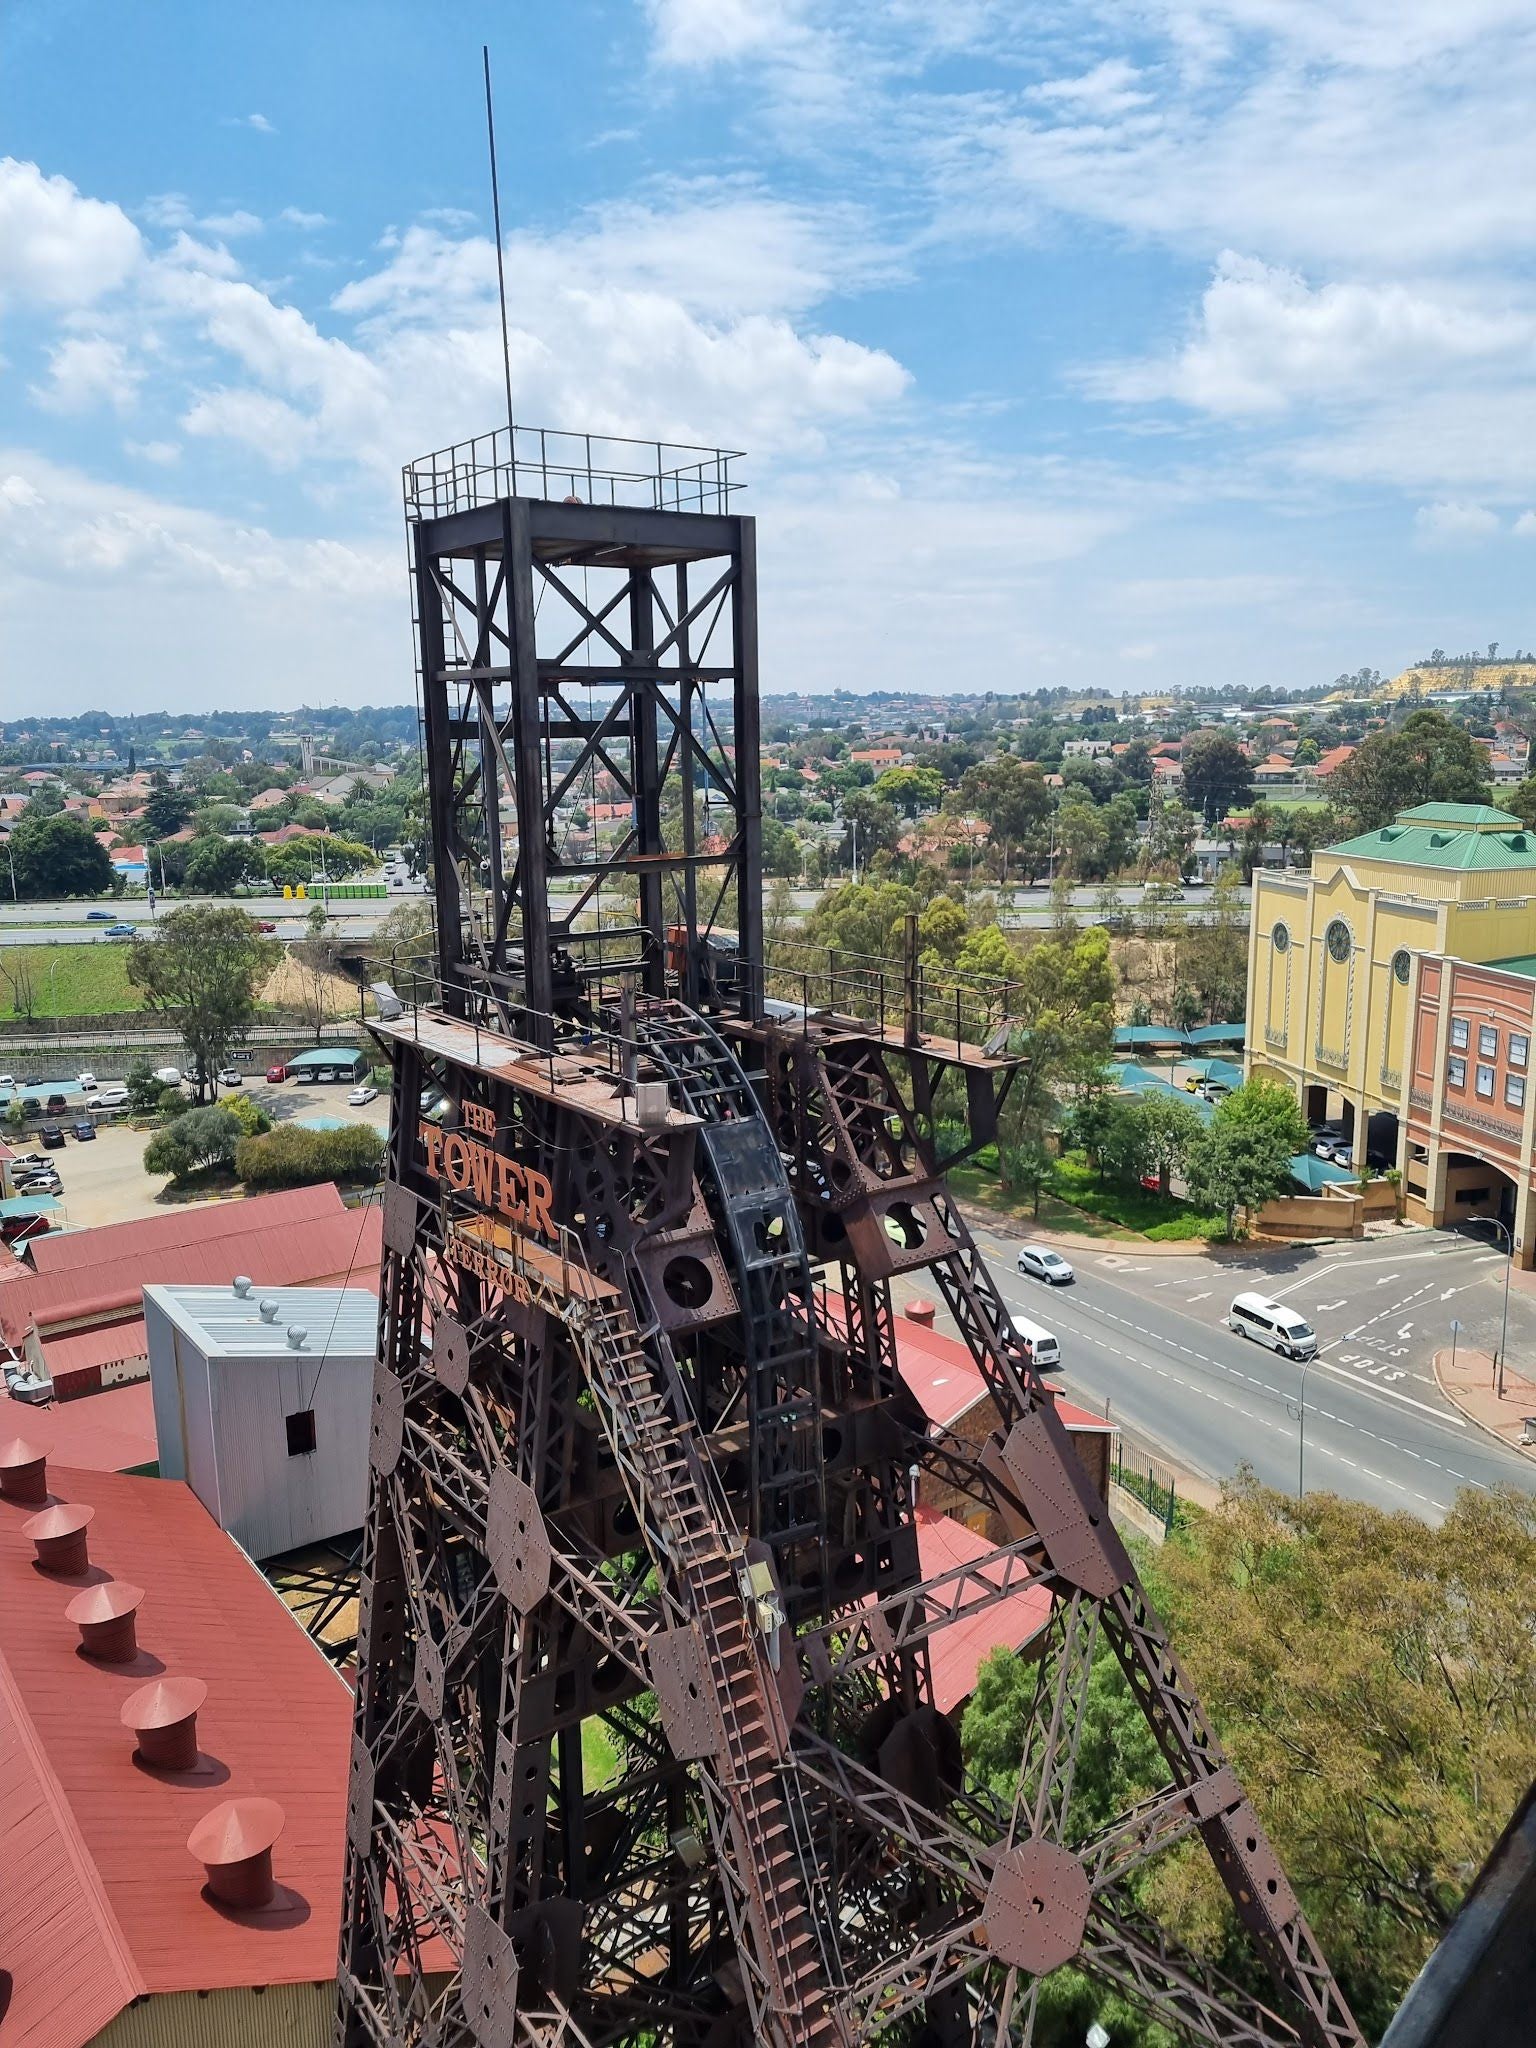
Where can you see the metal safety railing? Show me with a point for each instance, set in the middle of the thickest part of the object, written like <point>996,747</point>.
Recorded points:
<point>548,462</point>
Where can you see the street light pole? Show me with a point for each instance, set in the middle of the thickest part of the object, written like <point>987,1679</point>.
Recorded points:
<point>1509,1260</point>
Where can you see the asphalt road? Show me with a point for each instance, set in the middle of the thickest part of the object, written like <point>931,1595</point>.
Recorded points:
<point>1148,1336</point>
<point>356,924</point>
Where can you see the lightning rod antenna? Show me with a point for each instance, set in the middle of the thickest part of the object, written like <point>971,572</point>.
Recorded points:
<point>501,276</point>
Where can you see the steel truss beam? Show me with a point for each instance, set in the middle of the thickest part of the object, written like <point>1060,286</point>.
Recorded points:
<point>641,1457</point>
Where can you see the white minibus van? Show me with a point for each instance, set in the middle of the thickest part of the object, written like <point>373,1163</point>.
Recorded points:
<point>1272,1323</point>
<point>1045,1347</point>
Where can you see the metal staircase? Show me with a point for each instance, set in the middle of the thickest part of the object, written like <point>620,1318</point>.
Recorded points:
<point>762,1840</point>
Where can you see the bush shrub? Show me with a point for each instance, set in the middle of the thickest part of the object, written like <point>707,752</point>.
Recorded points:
<point>193,1142</point>
<point>292,1158</point>
<point>247,1113</point>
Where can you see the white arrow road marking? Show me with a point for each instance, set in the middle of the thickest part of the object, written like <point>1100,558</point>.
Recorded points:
<point>1449,1292</point>
<point>1406,1330</point>
<point>1326,1307</point>
<point>1199,1297</point>
<point>1387,1279</point>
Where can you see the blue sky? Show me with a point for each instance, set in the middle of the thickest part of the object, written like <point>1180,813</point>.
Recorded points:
<point>1122,343</point>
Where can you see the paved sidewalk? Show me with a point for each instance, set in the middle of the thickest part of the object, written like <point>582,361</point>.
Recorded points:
<point>1468,1384</point>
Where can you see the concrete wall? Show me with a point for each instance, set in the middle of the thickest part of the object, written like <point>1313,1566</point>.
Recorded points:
<point>1303,1217</point>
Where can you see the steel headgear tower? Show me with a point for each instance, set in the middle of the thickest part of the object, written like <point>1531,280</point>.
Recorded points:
<point>645,1734</point>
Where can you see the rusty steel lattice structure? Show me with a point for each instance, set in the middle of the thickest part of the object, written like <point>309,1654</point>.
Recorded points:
<point>645,1747</point>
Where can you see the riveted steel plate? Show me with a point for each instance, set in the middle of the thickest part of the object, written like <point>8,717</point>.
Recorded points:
<point>1037,1907</point>
<point>360,1797</point>
<point>516,1540</point>
<point>400,1214</point>
<point>450,1353</point>
<point>488,1983</point>
<point>386,1429</point>
<point>684,1694</point>
<point>1073,1523</point>
<point>429,1678</point>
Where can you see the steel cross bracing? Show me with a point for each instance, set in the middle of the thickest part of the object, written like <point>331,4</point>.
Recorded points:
<point>646,1747</point>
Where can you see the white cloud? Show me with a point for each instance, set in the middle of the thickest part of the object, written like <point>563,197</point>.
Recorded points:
<point>1453,524</point>
<point>1109,88</point>
<point>296,217</point>
<point>1265,339</point>
<point>244,598</point>
<point>257,121</point>
<point>169,210</point>
<point>86,371</point>
<point>1524,527</point>
<point>694,33</point>
<point>162,453</point>
<point>231,225</point>
<point>58,248</point>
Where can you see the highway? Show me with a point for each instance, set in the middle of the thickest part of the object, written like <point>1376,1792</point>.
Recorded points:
<point>1148,1336</point>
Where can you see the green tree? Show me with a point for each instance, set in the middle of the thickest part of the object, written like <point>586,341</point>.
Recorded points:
<point>1060,996</point>
<point>878,826</point>
<point>1215,774</point>
<point>143,1088</point>
<point>1168,1125</point>
<point>193,1143</point>
<point>1082,838</point>
<point>1375,1680</point>
<point>1243,1155</point>
<point>166,812</point>
<point>58,856</point>
<point>216,866</point>
<point>1429,759</point>
<point>203,968</point>
<point>1015,804</point>
<point>910,790</point>
<point>46,801</point>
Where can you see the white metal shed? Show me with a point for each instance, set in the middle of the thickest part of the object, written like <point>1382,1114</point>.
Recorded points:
<point>262,1399</point>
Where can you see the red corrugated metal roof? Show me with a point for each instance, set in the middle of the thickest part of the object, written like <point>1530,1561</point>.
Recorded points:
<point>102,1344</point>
<point>942,1375</point>
<point>85,1827</point>
<point>107,1432</point>
<point>332,1248</point>
<point>957,1652</point>
<point>193,1223</point>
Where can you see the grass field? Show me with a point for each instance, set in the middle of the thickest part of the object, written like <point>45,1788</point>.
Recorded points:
<point>66,981</point>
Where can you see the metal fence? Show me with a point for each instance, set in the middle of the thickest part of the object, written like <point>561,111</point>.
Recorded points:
<point>1146,1479</point>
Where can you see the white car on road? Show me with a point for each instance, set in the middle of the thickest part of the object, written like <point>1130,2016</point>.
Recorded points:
<point>1041,1263</point>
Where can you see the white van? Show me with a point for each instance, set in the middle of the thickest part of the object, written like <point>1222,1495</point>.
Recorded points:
<point>1272,1323</point>
<point>1044,1345</point>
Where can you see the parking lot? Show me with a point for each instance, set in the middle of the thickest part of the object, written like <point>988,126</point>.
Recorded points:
<point>104,1179</point>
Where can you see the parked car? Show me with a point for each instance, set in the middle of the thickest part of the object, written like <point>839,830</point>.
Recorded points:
<point>231,1077</point>
<point>7,1080</point>
<point>1325,1137</point>
<point>118,931</point>
<point>101,917</point>
<point>52,1136</point>
<point>1041,1263</point>
<point>30,1106</point>
<point>113,1097</point>
<point>278,1073</point>
<point>168,1077</point>
<point>57,1104</point>
<point>17,1229</point>
<point>85,1081</point>
<point>361,1094</point>
<point>45,1184</point>
<point>84,1130</point>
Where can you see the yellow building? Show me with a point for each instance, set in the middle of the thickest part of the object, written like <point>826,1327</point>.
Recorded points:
<point>1333,975</point>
